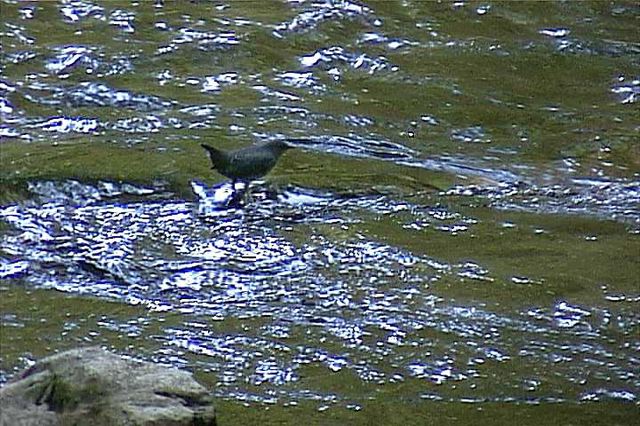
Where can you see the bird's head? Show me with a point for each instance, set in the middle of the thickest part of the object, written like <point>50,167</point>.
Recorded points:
<point>279,146</point>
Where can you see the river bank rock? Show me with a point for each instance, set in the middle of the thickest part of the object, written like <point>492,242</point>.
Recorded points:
<point>91,386</point>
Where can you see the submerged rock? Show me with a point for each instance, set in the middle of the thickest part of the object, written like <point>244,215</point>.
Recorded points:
<point>91,386</point>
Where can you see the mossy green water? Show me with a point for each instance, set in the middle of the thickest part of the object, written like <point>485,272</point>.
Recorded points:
<point>529,123</point>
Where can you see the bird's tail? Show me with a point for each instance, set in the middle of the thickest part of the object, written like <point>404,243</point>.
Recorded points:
<point>215,154</point>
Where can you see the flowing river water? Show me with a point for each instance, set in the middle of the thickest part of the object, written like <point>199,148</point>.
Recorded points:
<point>456,234</point>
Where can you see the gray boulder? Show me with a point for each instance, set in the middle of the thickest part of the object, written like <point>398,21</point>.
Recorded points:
<point>92,386</point>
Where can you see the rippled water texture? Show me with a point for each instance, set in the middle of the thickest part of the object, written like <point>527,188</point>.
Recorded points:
<point>458,221</point>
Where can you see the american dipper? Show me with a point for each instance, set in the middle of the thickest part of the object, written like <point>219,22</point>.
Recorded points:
<point>246,164</point>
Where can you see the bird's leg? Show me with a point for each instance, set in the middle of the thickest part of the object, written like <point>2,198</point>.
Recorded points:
<point>236,196</point>
<point>233,199</point>
<point>247,192</point>
<point>271,191</point>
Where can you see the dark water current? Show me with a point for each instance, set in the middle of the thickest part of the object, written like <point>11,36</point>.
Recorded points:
<point>459,221</point>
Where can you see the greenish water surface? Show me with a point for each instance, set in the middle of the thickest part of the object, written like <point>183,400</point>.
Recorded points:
<point>454,239</point>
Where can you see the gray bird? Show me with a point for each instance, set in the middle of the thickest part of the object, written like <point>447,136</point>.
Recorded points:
<point>249,163</point>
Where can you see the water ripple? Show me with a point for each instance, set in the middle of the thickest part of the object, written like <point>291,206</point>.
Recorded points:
<point>123,20</point>
<point>94,94</point>
<point>359,146</point>
<point>203,40</point>
<point>70,56</point>
<point>77,10</point>
<point>328,57</point>
<point>278,269</point>
<point>318,12</point>
<point>68,124</point>
<point>627,92</point>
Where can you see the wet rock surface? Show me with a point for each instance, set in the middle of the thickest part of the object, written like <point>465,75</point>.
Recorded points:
<point>93,386</point>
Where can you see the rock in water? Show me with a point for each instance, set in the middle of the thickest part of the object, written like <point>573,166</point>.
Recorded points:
<point>93,387</point>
